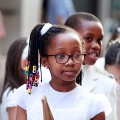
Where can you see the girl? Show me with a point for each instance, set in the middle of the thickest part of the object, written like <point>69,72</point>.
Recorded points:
<point>14,77</point>
<point>112,59</point>
<point>61,52</point>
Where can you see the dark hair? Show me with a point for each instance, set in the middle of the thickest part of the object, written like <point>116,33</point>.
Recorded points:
<point>14,75</point>
<point>115,34</point>
<point>74,21</point>
<point>40,43</point>
<point>112,56</point>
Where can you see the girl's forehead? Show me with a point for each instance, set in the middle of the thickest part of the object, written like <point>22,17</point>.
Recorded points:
<point>67,35</point>
<point>66,40</point>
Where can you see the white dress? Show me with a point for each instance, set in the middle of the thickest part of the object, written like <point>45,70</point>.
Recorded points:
<point>77,104</point>
<point>7,101</point>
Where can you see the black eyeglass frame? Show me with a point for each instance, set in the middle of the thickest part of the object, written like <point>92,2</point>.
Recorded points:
<point>69,56</point>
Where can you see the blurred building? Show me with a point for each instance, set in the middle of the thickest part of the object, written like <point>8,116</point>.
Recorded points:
<point>21,15</point>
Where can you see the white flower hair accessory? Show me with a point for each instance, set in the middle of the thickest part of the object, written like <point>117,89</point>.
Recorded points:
<point>114,41</point>
<point>28,39</point>
<point>25,50</point>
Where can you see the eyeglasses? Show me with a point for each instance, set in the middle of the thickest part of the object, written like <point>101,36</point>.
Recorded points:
<point>63,58</point>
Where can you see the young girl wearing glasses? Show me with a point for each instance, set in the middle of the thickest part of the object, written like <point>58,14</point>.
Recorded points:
<point>62,53</point>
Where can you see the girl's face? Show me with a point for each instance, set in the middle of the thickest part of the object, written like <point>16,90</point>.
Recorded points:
<point>92,34</point>
<point>64,43</point>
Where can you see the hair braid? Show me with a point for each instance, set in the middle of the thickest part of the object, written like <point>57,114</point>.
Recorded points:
<point>33,74</point>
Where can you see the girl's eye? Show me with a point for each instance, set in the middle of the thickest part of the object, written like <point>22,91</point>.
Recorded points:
<point>88,38</point>
<point>60,56</point>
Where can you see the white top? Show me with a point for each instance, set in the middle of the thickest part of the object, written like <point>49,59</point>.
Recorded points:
<point>7,101</point>
<point>77,104</point>
<point>100,63</point>
<point>97,82</point>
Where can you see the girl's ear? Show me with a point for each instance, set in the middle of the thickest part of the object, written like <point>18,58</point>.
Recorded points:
<point>24,63</point>
<point>44,62</point>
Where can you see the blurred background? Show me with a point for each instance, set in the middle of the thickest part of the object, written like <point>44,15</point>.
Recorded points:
<point>20,16</point>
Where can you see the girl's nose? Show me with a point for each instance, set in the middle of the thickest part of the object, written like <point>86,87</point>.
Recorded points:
<point>70,61</point>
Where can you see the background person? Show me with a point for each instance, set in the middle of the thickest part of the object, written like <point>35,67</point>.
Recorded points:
<point>100,63</point>
<point>14,77</point>
<point>112,59</point>
<point>56,12</point>
<point>93,79</point>
<point>2,27</point>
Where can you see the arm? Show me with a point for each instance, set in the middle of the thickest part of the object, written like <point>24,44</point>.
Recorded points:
<point>12,113</point>
<point>21,114</point>
<point>100,116</point>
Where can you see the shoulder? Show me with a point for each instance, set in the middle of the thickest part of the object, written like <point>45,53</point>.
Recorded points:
<point>8,93</point>
<point>86,95</point>
<point>22,89</point>
<point>22,97</point>
<point>7,99</point>
<point>94,99</point>
<point>96,73</point>
<point>103,73</point>
<point>96,106</point>
<point>89,101</point>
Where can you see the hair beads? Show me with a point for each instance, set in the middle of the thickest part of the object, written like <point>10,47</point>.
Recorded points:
<point>33,78</point>
<point>35,44</point>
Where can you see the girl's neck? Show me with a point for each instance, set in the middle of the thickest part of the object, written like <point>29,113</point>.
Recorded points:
<point>63,87</point>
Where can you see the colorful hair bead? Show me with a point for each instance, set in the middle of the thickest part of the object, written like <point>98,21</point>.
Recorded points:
<point>33,78</point>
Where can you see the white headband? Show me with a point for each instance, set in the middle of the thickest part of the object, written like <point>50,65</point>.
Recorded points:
<point>28,40</point>
<point>45,28</point>
<point>25,50</point>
